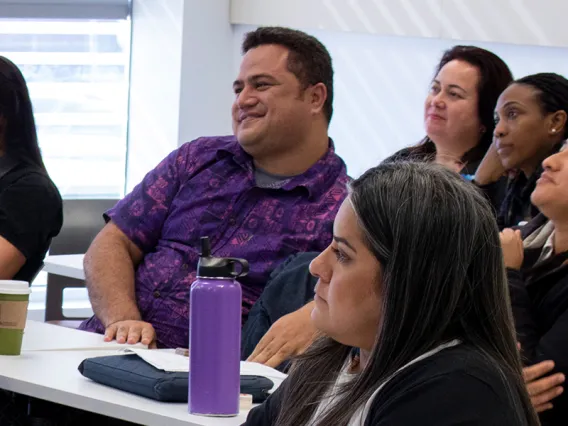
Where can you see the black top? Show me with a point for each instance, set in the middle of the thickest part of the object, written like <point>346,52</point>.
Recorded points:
<point>539,296</point>
<point>31,214</point>
<point>495,192</point>
<point>510,197</point>
<point>457,386</point>
<point>289,287</point>
<point>516,206</point>
<point>428,155</point>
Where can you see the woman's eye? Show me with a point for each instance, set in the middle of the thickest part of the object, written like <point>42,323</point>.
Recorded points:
<point>340,255</point>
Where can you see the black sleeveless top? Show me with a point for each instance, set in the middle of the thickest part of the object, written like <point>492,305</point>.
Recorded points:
<point>31,213</point>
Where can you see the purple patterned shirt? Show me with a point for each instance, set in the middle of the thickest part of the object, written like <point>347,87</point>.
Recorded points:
<point>207,188</point>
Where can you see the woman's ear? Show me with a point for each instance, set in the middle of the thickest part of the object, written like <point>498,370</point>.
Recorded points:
<point>557,123</point>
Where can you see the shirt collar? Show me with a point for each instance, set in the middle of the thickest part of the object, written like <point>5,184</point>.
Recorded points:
<point>542,241</point>
<point>316,180</point>
<point>547,249</point>
<point>239,155</point>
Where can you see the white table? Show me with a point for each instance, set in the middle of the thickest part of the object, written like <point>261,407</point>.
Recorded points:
<point>53,376</point>
<point>47,369</point>
<point>67,265</point>
<point>40,336</point>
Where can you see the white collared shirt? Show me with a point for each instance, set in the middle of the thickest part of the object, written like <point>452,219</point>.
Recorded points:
<point>542,238</point>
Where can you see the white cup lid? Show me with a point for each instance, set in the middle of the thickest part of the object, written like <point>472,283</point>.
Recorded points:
<point>14,287</point>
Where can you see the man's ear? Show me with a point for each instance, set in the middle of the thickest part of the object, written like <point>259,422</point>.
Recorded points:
<point>317,95</point>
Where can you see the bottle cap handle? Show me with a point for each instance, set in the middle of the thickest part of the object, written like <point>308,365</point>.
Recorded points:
<point>244,269</point>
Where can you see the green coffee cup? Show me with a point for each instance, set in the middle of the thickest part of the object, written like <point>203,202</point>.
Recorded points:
<point>14,298</point>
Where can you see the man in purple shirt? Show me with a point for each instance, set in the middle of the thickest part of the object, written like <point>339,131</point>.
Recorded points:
<point>270,191</point>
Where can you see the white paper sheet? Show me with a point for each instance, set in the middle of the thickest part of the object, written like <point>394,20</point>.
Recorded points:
<point>162,359</point>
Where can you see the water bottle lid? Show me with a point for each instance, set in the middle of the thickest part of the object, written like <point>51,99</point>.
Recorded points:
<point>219,267</point>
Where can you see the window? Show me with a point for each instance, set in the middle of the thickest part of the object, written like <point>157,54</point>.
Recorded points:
<point>77,74</point>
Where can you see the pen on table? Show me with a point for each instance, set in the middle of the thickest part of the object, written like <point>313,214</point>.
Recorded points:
<point>182,351</point>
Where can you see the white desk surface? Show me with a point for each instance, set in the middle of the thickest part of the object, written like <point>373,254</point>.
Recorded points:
<point>67,265</point>
<point>47,369</point>
<point>53,376</point>
<point>40,336</point>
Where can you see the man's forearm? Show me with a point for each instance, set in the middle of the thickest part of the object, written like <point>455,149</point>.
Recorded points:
<point>109,271</point>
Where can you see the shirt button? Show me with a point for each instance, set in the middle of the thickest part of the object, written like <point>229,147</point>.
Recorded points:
<point>157,294</point>
<point>232,221</point>
<point>184,266</point>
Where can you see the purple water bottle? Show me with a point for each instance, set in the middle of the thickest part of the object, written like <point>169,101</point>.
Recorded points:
<point>215,335</point>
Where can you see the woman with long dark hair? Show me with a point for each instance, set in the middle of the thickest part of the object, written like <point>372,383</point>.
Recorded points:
<point>458,115</point>
<point>31,212</point>
<point>458,110</point>
<point>413,308</point>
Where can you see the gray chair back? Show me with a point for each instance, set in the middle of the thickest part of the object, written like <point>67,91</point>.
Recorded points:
<point>82,221</point>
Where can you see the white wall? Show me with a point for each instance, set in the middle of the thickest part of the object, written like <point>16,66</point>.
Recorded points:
<point>385,51</point>
<point>186,55</point>
<point>207,70</point>
<point>181,74</point>
<point>381,83</point>
<point>155,84</point>
<point>501,21</point>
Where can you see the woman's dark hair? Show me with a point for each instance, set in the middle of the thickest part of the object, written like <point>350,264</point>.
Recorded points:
<point>552,92</point>
<point>20,136</point>
<point>442,278</point>
<point>495,76</point>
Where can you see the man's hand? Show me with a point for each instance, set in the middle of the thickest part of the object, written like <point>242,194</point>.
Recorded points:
<point>542,390</point>
<point>132,332</point>
<point>512,247</point>
<point>289,336</point>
